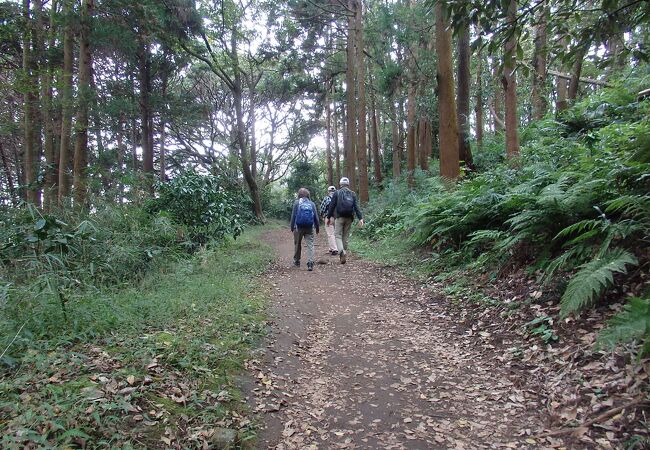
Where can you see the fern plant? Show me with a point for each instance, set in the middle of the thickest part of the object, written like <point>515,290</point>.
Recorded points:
<point>593,278</point>
<point>632,323</point>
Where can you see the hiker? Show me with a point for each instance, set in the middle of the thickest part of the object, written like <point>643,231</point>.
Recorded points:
<point>343,207</point>
<point>304,219</point>
<point>329,228</point>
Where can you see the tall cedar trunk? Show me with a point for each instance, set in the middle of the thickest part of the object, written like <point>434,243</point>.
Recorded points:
<point>145,107</point>
<point>478,109</point>
<point>351,112</point>
<point>374,142</point>
<point>85,73</point>
<point>448,127</point>
<point>362,148</point>
<point>572,92</point>
<point>328,137</point>
<point>253,124</point>
<point>562,85</point>
<point>121,152</point>
<point>397,157</point>
<point>423,140</point>
<point>29,152</point>
<point>464,149</point>
<point>538,93</point>
<point>410,134</point>
<point>337,152</point>
<point>497,111</point>
<point>49,147</point>
<point>66,104</point>
<point>510,85</point>
<point>162,127</point>
<point>240,129</point>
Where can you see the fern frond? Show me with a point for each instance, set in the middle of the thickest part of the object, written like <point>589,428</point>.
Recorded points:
<point>633,206</point>
<point>579,227</point>
<point>593,279</point>
<point>632,323</point>
<point>486,236</point>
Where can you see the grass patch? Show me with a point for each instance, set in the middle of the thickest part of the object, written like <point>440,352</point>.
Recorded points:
<point>147,366</point>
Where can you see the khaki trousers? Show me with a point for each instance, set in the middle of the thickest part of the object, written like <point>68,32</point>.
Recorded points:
<point>308,234</point>
<point>342,226</point>
<point>331,239</point>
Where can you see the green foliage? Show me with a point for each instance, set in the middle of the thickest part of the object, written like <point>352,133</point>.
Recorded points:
<point>542,327</point>
<point>305,174</point>
<point>203,205</point>
<point>576,205</point>
<point>593,278</point>
<point>632,323</point>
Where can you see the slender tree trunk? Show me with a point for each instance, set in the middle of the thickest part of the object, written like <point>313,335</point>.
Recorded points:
<point>328,137</point>
<point>448,126</point>
<point>351,110</point>
<point>497,111</point>
<point>85,74</point>
<point>510,86</point>
<point>121,152</point>
<point>562,85</point>
<point>397,157</point>
<point>7,171</point>
<point>163,127</point>
<point>410,133</point>
<point>538,94</point>
<point>253,132</point>
<point>479,102</point>
<point>376,157</point>
<point>51,176</point>
<point>464,149</point>
<point>362,147</point>
<point>66,104</point>
<point>145,108</point>
<point>29,153</point>
<point>337,153</point>
<point>572,92</point>
<point>424,150</point>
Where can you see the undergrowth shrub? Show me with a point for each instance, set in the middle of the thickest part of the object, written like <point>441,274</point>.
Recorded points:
<point>574,209</point>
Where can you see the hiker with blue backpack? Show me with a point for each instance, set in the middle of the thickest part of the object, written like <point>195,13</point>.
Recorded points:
<point>304,219</point>
<point>343,208</point>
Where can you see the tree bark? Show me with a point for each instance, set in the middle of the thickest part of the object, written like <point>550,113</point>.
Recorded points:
<point>29,153</point>
<point>376,156</point>
<point>85,74</point>
<point>562,85</point>
<point>497,101</point>
<point>510,85</point>
<point>351,112</point>
<point>538,94</point>
<point>337,153</point>
<point>66,105</point>
<point>478,109</point>
<point>424,150</point>
<point>328,137</point>
<point>448,126</point>
<point>49,148</point>
<point>145,107</point>
<point>397,157</point>
<point>572,92</point>
<point>464,149</point>
<point>362,148</point>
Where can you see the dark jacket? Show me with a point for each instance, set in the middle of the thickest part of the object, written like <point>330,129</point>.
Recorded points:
<point>294,213</point>
<point>355,206</point>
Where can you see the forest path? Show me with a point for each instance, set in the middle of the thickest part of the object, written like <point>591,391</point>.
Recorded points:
<point>361,357</point>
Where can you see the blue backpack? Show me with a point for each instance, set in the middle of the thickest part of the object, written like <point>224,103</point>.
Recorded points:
<point>305,215</point>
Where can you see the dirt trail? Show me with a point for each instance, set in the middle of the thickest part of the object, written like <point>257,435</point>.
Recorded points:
<point>361,357</point>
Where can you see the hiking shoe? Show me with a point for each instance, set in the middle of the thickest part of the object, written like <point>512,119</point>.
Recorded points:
<point>334,252</point>
<point>296,263</point>
<point>342,258</point>
<point>310,266</point>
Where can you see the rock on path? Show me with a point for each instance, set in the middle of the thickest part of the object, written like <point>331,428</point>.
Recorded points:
<point>361,357</point>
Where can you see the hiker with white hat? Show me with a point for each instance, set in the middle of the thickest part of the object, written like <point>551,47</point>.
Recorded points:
<point>343,207</point>
<point>324,206</point>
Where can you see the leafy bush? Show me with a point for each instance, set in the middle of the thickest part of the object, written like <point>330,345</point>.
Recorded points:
<point>632,323</point>
<point>204,205</point>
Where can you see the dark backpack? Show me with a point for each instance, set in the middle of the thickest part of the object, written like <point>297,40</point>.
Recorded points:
<point>305,215</point>
<point>345,203</point>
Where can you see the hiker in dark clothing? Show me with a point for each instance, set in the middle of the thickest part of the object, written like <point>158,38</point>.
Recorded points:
<point>304,218</point>
<point>343,208</point>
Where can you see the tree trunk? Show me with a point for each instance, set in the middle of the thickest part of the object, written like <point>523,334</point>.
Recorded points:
<point>510,85</point>
<point>29,153</point>
<point>497,111</point>
<point>397,157</point>
<point>7,171</point>
<point>376,158</point>
<point>145,108</point>
<point>362,148</point>
<point>350,141</point>
<point>572,92</point>
<point>85,94</point>
<point>448,126</point>
<point>51,176</point>
<point>424,151</point>
<point>479,103</point>
<point>464,149</point>
<point>328,137</point>
<point>337,153</point>
<point>410,133</point>
<point>66,104</point>
<point>538,94</point>
<point>163,126</point>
